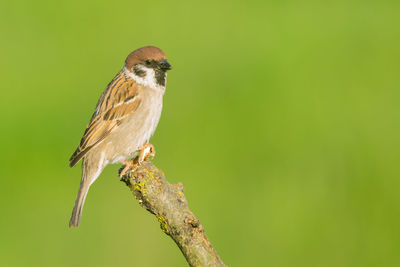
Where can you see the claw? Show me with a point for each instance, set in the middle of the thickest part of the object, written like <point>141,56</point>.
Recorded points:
<point>131,165</point>
<point>146,151</point>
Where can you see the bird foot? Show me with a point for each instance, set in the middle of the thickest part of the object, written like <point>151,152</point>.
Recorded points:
<point>146,151</point>
<point>132,165</point>
<point>128,165</point>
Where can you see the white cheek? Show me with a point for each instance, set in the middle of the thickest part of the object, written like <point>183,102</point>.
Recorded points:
<point>148,80</point>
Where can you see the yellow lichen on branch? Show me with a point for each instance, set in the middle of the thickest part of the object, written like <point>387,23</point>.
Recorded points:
<point>168,203</point>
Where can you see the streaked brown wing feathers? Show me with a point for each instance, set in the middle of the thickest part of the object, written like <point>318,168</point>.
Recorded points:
<point>118,101</point>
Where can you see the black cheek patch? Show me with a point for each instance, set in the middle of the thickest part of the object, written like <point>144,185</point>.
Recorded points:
<point>138,71</point>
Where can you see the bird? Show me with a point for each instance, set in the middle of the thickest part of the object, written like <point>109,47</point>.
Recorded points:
<point>125,118</point>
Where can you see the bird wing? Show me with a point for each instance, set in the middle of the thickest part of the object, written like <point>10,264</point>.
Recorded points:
<point>118,100</point>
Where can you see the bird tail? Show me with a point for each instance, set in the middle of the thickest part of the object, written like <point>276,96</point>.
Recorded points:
<point>91,169</point>
<point>79,202</point>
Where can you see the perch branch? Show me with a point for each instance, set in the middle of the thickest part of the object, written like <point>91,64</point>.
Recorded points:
<point>168,203</point>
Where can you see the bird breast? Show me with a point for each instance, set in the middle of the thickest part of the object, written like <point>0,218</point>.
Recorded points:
<point>137,129</point>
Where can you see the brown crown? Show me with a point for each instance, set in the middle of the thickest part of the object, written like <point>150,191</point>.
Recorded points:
<point>142,54</point>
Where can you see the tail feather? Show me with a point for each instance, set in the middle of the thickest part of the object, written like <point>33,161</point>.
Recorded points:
<point>79,202</point>
<point>91,169</point>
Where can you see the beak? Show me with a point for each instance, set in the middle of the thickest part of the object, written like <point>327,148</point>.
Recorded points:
<point>165,65</point>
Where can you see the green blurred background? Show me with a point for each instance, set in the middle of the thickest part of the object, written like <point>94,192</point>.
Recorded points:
<point>281,119</point>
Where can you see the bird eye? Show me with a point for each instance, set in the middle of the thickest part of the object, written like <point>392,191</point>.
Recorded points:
<point>148,62</point>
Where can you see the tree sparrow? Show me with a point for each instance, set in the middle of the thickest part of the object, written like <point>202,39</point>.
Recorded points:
<point>125,118</point>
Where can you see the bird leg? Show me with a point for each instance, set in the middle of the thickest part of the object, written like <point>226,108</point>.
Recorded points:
<point>128,164</point>
<point>144,152</point>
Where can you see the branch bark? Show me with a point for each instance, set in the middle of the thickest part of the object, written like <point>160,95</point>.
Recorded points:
<point>168,203</point>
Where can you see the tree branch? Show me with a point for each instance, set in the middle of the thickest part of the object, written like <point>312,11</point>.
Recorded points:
<point>168,203</point>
